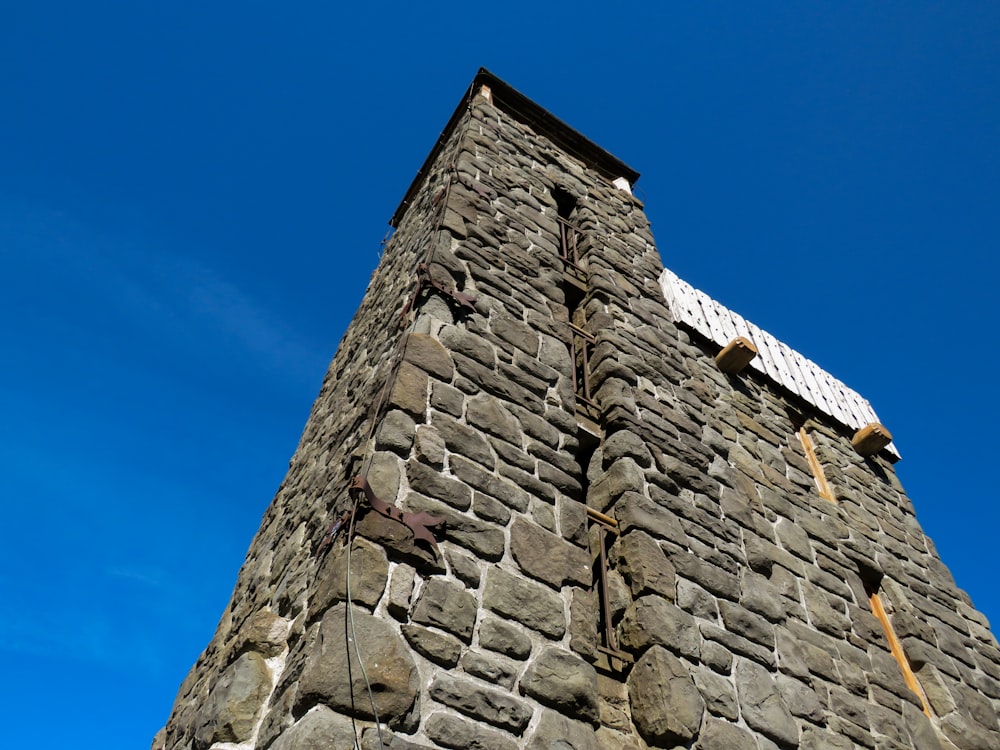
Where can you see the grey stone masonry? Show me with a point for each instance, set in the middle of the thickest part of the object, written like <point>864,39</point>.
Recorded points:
<point>629,548</point>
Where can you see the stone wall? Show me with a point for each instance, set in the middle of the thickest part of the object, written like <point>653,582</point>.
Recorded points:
<point>734,610</point>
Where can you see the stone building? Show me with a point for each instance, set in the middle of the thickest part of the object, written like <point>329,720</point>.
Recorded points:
<point>543,500</point>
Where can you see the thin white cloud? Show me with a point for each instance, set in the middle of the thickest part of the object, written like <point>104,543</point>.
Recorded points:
<point>174,298</point>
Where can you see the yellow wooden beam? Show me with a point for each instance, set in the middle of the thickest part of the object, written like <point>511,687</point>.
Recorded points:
<point>822,486</point>
<point>897,651</point>
<point>736,355</point>
<point>870,439</point>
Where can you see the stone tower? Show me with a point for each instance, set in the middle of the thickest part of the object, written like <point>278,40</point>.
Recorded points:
<point>550,496</point>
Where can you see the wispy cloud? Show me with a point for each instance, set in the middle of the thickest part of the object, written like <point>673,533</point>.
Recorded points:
<point>99,620</point>
<point>173,297</point>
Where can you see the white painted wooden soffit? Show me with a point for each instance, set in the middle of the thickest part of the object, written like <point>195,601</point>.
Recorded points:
<point>779,363</point>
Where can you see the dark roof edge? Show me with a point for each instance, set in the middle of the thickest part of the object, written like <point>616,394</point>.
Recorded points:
<point>524,110</point>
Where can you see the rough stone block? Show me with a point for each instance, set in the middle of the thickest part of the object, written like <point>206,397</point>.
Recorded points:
<point>440,648</point>
<point>515,332</point>
<point>492,669</point>
<point>484,704</point>
<point>762,706</point>
<point>635,511</point>
<point>653,621</point>
<point>562,680</point>
<point>391,670</point>
<point>489,483</point>
<point>721,735</point>
<point>666,705</point>
<point>400,588</point>
<point>826,612</point>
<point>791,658</point>
<point>759,595</point>
<point>369,571</point>
<point>409,391</point>
<point>719,695</point>
<point>490,509</point>
<point>573,521</point>
<point>429,446</point>
<point>319,729</point>
<point>711,577</point>
<point>447,606</point>
<point>396,432</point>
<point>694,600</point>
<point>801,699</point>
<point>429,355</point>
<point>737,644</point>
<point>849,707</point>
<point>626,444</point>
<point>557,732</point>
<point>504,638</point>
<point>398,540</point>
<point>623,476</point>
<point>464,440</point>
<point>265,633</point>
<point>465,734</point>
<point>529,483</point>
<point>447,399</point>
<point>483,539</point>
<point>487,414</point>
<point>743,622</point>
<point>529,603</point>
<point>235,702</point>
<point>794,539</point>
<point>547,557</point>
<point>434,484</point>
<point>372,739</point>
<point>506,382</point>
<point>464,567</point>
<point>384,476</point>
<point>817,738</point>
<point>514,455</point>
<point>565,482</point>
<point>643,565</point>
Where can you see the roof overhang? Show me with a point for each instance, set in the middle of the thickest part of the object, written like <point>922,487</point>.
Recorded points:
<point>524,110</point>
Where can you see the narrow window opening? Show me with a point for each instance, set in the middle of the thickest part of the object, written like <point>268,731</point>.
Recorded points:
<point>873,582</point>
<point>603,531</point>
<point>581,341</point>
<point>565,203</point>
<point>569,246</point>
<point>581,350</point>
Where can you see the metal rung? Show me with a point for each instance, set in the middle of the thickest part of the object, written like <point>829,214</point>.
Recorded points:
<point>584,334</point>
<point>626,657</point>
<point>599,517</point>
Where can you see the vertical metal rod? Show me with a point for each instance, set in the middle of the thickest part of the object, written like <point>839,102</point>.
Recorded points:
<point>572,354</point>
<point>602,555</point>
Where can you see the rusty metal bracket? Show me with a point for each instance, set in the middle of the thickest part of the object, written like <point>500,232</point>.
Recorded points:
<point>461,301</point>
<point>418,523</point>
<point>333,531</point>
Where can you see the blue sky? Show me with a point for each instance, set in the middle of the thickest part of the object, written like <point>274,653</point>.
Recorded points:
<point>192,198</point>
